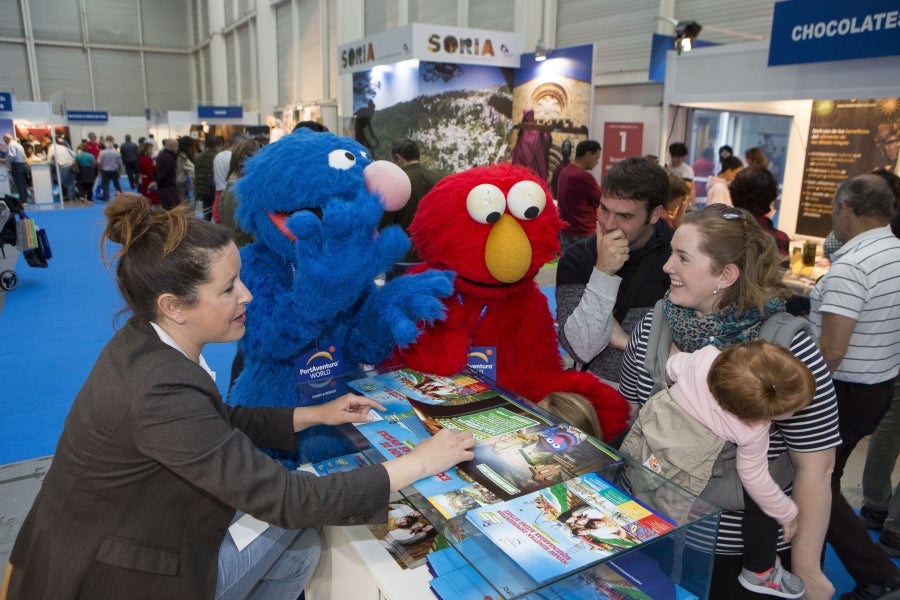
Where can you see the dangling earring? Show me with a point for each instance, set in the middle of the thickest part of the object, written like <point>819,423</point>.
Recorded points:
<point>716,291</point>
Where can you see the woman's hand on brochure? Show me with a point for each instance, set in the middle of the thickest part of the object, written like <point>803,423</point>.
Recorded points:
<point>445,449</point>
<point>348,408</point>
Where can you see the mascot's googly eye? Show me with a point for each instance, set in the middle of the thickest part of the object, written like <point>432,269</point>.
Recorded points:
<point>526,200</point>
<point>341,159</point>
<point>486,203</point>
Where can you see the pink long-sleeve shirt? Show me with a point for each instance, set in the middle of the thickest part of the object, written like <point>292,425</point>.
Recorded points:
<point>689,389</point>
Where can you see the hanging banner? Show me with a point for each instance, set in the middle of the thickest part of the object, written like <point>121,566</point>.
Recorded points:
<point>220,112</point>
<point>805,31</point>
<point>621,141</point>
<point>434,43</point>
<point>846,138</point>
<point>95,116</point>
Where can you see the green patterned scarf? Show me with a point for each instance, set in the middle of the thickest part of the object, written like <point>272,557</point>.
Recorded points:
<point>692,331</point>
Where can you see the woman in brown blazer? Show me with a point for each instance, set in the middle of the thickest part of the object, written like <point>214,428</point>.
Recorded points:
<point>152,465</point>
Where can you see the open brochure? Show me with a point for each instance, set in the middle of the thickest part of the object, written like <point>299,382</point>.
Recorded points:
<point>567,526</point>
<point>519,450</point>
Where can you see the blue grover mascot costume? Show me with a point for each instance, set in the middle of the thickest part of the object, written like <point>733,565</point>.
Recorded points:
<point>312,202</point>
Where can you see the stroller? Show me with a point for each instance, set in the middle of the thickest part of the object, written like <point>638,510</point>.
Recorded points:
<point>10,207</point>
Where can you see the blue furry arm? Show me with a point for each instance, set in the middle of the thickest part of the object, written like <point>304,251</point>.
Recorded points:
<point>392,316</point>
<point>278,325</point>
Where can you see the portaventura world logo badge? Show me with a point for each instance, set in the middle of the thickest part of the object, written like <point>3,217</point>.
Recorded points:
<point>319,368</point>
<point>482,360</point>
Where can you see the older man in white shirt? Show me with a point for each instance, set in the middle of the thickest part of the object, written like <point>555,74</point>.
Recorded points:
<point>18,168</point>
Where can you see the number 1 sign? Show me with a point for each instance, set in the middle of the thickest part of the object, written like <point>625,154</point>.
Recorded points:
<point>620,141</point>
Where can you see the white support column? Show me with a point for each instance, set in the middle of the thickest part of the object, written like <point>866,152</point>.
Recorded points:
<point>351,25</point>
<point>326,49</point>
<point>266,58</point>
<point>529,22</point>
<point>195,85</point>
<point>217,59</point>
<point>551,9</point>
<point>664,23</point>
<point>29,51</point>
<point>294,75</point>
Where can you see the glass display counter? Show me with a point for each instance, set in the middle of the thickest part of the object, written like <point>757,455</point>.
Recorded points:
<point>674,560</point>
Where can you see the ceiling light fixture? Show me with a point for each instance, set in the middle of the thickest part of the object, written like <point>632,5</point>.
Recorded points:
<point>540,52</point>
<point>685,34</point>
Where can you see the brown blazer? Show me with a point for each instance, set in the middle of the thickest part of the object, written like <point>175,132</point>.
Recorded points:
<point>149,470</point>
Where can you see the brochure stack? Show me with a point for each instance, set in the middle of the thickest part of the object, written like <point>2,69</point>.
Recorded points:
<point>543,511</point>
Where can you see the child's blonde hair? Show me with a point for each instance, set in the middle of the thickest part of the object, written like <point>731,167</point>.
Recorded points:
<point>575,410</point>
<point>758,380</point>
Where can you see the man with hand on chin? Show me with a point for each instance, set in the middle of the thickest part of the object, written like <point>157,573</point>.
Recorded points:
<point>607,282</point>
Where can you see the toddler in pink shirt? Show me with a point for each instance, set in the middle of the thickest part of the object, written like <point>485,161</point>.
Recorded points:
<point>735,393</point>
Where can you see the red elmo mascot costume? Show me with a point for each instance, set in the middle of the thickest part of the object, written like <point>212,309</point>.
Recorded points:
<point>495,227</point>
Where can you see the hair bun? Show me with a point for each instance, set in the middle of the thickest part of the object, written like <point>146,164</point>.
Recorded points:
<point>128,216</point>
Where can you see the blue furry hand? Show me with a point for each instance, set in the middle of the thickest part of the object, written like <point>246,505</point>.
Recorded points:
<point>341,254</point>
<point>393,316</point>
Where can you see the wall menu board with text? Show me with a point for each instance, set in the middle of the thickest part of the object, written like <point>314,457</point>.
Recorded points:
<point>846,137</point>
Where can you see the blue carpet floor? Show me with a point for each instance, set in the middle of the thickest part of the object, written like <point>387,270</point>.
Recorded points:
<point>53,326</point>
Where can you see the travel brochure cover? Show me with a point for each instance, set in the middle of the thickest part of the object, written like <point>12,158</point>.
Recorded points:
<point>567,526</point>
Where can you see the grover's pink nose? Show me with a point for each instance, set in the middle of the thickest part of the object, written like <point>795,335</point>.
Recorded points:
<point>388,181</point>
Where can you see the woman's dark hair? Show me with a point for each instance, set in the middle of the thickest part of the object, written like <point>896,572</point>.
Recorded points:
<point>756,158</point>
<point>240,154</point>
<point>754,189</point>
<point>730,162</point>
<point>162,251</point>
<point>187,146</point>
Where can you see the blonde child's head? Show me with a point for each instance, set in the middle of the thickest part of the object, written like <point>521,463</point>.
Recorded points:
<point>758,381</point>
<point>574,409</point>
